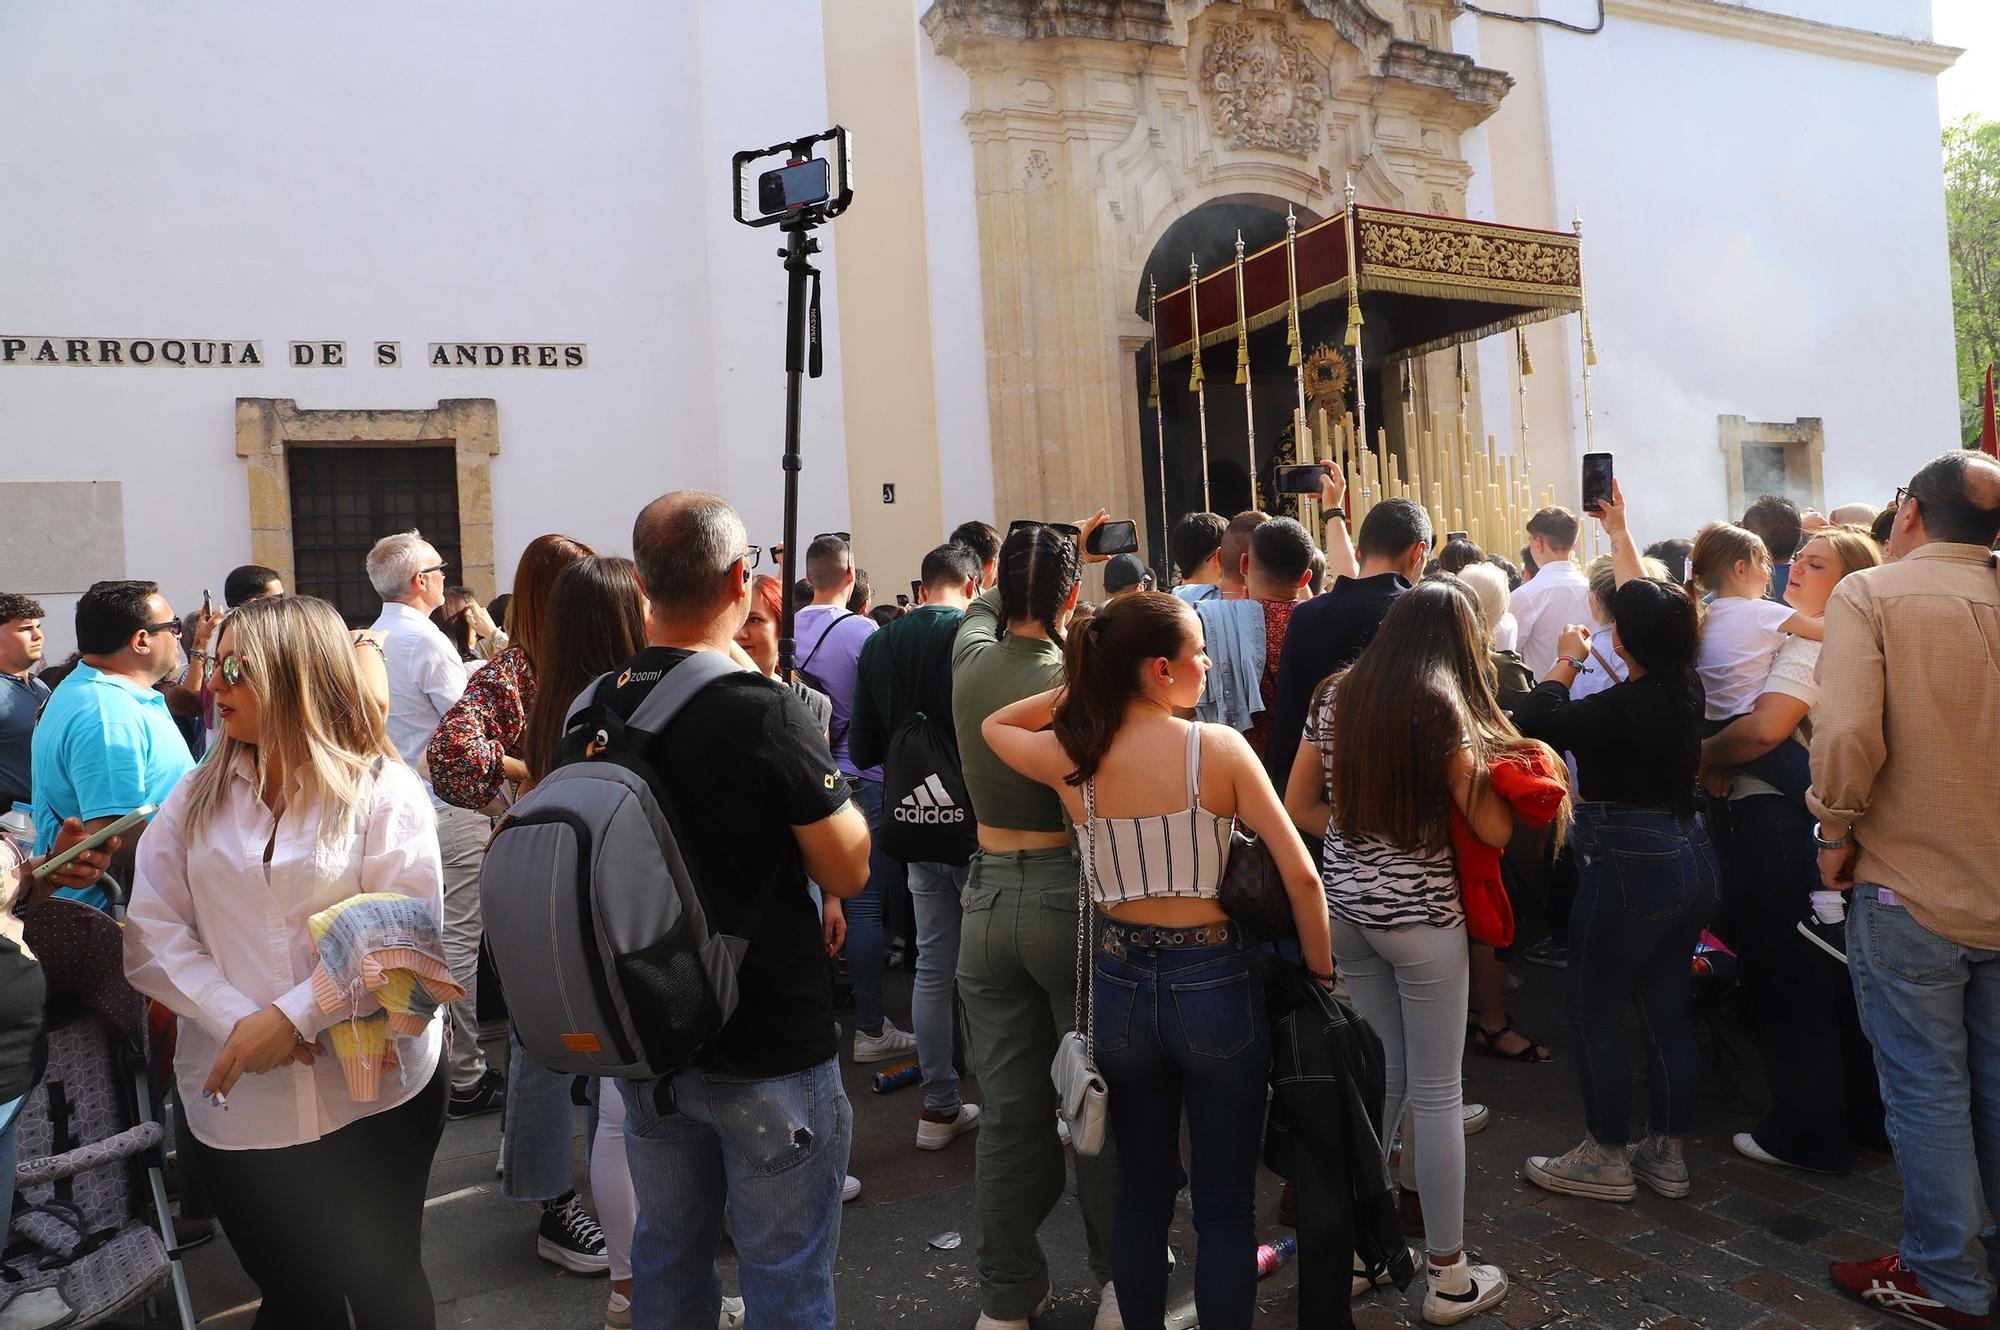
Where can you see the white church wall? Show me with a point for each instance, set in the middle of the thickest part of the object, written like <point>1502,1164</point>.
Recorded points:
<point>1764,237</point>
<point>958,326</point>
<point>495,171</point>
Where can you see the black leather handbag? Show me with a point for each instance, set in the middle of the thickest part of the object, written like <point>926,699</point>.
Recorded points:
<point>1252,891</point>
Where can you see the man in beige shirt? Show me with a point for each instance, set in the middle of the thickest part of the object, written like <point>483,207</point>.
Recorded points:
<point>1904,741</point>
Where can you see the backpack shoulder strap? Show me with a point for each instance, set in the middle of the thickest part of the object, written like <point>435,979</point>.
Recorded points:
<point>584,700</point>
<point>675,691</point>
<point>825,633</point>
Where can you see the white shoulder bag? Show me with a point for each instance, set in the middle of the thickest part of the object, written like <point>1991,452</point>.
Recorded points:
<point>1082,1098</point>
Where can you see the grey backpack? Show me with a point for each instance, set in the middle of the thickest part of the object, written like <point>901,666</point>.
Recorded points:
<point>595,925</point>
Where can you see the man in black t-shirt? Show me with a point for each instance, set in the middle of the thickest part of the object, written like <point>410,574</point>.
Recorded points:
<point>760,1125</point>
<point>1327,632</point>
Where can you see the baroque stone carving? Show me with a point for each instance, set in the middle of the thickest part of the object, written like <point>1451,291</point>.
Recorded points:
<point>1265,87</point>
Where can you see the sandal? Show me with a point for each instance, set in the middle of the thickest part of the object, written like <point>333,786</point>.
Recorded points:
<point>1487,1042</point>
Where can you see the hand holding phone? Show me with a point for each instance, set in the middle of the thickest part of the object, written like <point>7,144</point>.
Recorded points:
<point>96,838</point>
<point>1109,538</point>
<point>1597,482</point>
<point>1303,478</point>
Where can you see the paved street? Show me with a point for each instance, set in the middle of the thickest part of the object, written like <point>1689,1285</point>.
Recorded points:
<point>1748,1250</point>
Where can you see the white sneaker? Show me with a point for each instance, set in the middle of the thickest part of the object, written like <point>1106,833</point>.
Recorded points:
<point>986,1322</point>
<point>1476,1118</point>
<point>1108,1317</point>
<point>891,1043</point>
<point>1456,1292</point>
<point>937,1135</point>
<point>850,1189</point>
<point>732,1315</point>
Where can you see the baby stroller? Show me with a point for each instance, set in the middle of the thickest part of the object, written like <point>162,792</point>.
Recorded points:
<point>91,1236</point>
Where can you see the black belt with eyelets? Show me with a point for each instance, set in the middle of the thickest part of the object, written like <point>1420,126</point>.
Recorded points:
<point>1118,937</point>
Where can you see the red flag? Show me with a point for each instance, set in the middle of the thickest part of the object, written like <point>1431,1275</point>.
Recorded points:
<point>1989,435</point>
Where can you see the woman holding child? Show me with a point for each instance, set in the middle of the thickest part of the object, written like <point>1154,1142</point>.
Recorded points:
<point>1816,1061</point>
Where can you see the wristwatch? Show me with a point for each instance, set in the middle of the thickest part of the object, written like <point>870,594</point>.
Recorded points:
<point>1825,844</point>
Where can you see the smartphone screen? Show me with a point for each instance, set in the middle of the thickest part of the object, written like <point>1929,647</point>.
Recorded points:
<point>1303,478</point>
<point>1596,481</point>
<point>1115,538</point>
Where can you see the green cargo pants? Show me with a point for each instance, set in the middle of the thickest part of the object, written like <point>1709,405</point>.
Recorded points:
<point>1017,982</point>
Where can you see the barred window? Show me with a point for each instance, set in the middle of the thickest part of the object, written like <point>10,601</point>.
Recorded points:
<point>346,499</point>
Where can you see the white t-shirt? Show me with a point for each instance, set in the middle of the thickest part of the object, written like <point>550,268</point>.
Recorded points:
<point>1607,668</point>
<point>1557,596</point>
<point>1794,673</point>
<point>1506,633</point>
<point>1739,640</point>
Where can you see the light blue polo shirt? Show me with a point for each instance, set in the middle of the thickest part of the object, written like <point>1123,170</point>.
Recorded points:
<point>105,746</point>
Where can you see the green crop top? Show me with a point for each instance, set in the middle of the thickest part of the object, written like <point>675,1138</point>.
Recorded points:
<point>988,671</point>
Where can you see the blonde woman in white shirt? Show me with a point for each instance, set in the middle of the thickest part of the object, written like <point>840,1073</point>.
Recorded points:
<point>302,805</point>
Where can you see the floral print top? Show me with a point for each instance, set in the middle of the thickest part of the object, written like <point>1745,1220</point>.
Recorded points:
<point>483,726</point>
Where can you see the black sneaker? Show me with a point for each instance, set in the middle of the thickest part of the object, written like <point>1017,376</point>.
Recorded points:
<point>1829,938</point>
<point>489,1096</point>
<point>1547,952</point>
<point>570,1238</point>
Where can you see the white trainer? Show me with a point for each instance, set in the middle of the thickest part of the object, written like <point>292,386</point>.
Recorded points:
<point>1476,1118</point>
<point>890,1043</point>
<point>1461,1290</point>
<point>1108,1315</point>
<point>937,1135</point>
<point>849,1188</point>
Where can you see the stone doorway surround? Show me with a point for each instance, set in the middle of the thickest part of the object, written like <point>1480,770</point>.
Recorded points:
<point>265,425</point>
<point>1803,442</point>
<point>1095,124</point>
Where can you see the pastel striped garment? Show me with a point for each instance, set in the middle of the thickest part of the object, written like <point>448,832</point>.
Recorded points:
<point>381,962</point>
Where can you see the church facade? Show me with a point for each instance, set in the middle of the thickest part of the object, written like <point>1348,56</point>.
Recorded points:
<point>473,268</point>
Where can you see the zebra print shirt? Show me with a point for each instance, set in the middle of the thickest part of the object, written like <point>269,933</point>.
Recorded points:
<point>1373,884</point>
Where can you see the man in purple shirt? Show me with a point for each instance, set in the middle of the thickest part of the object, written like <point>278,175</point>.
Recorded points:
<point>830,639</point>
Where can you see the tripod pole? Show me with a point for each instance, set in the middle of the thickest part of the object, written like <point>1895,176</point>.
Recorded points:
<point>801,336</point>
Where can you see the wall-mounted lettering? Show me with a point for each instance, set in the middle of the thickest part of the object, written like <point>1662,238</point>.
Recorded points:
<point>175,351</point>
<point>388,355</point>
<point>327,355</point>
<point>506,355</point>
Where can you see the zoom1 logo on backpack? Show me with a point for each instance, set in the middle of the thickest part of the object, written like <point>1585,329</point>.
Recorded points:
<point>928,804</point>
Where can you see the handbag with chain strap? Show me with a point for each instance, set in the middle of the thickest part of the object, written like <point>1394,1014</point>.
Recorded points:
<point>1082,1098</point>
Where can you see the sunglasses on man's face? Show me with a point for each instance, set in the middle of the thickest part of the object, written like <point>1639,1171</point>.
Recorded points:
<point>1064,529</point>
<point>434,568</point>
<point>172,626</point>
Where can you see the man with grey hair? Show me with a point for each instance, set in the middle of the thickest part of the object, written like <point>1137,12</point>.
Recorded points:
<point>426,677</point>
<point>1902,767</point>
<point>759,1124</point>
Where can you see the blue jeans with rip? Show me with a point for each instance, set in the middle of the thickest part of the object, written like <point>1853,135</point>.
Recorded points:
<point>1184,1027</point>
<point>1931,1008</point>
<point>774,1152</point>
<point>1647,884</point>
<point>537,1147</point>
<point>866,941</point>
<point>935,890</point>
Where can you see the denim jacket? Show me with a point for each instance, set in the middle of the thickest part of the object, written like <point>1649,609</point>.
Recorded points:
<point>1236,650</point>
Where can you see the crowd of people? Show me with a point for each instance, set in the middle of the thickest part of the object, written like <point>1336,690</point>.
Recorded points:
<point>1369,765</point>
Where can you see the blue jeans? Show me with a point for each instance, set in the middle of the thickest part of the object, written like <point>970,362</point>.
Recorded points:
<point>1646,887</point>
<point>934,900</point>
<point>1931,1008</point>
<point>774,1151</point>
<point>866,944</point>
<point>536,1147</point>
<point>1184,1026</point>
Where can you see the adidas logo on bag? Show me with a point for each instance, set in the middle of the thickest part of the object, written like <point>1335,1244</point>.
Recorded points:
<point>929,804</point>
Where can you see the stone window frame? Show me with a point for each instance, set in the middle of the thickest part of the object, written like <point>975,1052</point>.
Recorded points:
<point>265,426</point>
<point>1804,440</point>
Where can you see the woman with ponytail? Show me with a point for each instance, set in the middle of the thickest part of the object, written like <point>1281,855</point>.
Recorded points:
<point>1179,1012</point>
<point>1017,956</point>
<point>1646,878</point>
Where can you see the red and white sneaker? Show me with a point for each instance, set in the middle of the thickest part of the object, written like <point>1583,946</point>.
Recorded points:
<point>1885,1285</point>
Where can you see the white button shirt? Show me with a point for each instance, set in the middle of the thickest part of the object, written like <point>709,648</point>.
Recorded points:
<point>426,678</point>
<point>215,935</point>
<point>1556,597</point>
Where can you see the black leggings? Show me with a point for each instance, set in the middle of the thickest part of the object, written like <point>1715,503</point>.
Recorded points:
<point>336,1223</point>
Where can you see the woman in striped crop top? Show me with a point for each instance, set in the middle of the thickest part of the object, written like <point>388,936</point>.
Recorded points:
<point>1178,1015</point>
